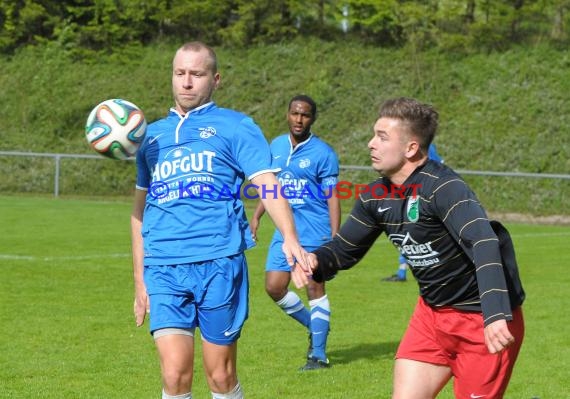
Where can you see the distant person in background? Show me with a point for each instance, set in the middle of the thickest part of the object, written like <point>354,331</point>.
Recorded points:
<point>468,322</point>
<point>189,233</point>
<point>309,171</point>
<point>401,274</point>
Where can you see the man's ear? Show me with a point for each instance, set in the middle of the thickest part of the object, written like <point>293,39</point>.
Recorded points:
<point>217,81</point>
<point>413,149</point>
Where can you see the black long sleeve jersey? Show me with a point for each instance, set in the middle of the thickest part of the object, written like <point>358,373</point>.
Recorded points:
<point>458,256</point>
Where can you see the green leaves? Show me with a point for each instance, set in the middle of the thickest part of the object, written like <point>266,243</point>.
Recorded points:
<point>111,25</point>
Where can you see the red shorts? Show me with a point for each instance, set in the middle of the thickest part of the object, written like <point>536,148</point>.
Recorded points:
<point>453,338</point>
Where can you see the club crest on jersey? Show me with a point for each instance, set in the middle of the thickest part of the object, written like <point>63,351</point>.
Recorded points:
<point>207,132</point>
<point>304,163</point>
<point>413,209</point>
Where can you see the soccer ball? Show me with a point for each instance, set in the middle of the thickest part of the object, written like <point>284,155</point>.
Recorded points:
<point>116,128</point>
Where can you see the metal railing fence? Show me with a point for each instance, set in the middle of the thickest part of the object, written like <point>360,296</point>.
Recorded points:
<point>58,157</point>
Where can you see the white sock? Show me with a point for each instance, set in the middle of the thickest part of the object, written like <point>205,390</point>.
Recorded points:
<point>294,307</point>
<point>322,302</point>
<point>182,396</point>
<point>290,303</point>
<point>235,393</point>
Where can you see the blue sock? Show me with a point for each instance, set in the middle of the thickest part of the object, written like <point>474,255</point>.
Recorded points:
<point>320,326</point>
<point>402,268</point>
<point>402,273</point>
<point>294,307</point>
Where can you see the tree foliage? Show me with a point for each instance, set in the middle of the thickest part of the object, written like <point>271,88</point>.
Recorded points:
<point>84,26</point>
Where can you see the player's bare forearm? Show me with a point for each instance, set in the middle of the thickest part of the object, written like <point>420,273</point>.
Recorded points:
<point>259,211</point>
<point>280,212</point>
<point>141,303</point>
<point>256,219</point>
<point>276,206</point>
<point>136,236</point>
<point>137,252</point>
<point>333,203</point>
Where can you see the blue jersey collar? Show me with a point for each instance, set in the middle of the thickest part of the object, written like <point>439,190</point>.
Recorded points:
<point>301,144</point>
<point>196,111</point>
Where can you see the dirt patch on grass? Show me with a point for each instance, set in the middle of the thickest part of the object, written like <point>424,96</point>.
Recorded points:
<point>563,220</point>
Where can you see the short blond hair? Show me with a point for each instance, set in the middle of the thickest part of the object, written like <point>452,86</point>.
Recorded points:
<point>199,46</point>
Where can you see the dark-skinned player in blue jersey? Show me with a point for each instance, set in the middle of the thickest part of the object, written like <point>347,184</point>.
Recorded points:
<point>308,170</point>
<point>468,322</point>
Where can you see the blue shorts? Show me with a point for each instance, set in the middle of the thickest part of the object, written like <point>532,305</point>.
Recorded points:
<point>211,295</point>
<point>276,261</point>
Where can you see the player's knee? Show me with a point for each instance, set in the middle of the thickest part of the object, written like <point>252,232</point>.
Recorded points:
<point>175,380</point>
<point>315,290</point>
<point>275,291</point>
<point>222,380</point>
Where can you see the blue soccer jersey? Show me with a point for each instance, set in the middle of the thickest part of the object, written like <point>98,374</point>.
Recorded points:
<point>432,153</point>
<point>192,167</point>
<point>307,174</point>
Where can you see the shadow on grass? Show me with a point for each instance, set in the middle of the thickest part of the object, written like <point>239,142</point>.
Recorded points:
<point>381,350</point>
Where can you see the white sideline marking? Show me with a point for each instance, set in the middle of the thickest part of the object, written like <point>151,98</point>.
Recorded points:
<point>102,256</point>
<point>55,258</point>
<point>561,233</point>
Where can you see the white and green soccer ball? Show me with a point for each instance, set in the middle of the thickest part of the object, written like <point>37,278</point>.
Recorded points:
<point>116,128</point>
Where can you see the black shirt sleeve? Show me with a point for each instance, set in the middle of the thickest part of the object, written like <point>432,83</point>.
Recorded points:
<point>348,247</point>
<point>467,222</point>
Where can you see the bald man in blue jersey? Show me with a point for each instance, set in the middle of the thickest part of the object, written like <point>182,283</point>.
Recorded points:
<point>308,171</point>
<point>189,230</point>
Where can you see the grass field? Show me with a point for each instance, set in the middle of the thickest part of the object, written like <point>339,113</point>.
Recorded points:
<point>68,329</point>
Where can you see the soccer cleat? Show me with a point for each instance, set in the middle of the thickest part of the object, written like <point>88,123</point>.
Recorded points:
<point>314,363</point>
<point>394,278</point>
